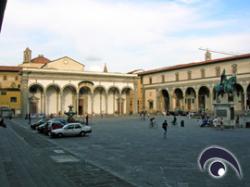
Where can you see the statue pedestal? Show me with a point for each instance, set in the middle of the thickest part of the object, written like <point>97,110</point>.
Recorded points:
<point>226,112</point>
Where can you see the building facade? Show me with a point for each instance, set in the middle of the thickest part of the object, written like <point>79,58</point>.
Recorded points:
<point>51,86</point>
<point>10,88</point>
<point>190,87</point>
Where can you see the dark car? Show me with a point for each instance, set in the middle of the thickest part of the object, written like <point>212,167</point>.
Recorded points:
<point>51,124</point>
<point>41,127</point>
<point>36,124</point>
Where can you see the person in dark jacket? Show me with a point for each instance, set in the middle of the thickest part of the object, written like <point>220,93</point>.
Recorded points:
<point>29,118</point>
<point>87,119</point>
<point>2,124</point>
<point>165,126</point>
<point>174,120</point>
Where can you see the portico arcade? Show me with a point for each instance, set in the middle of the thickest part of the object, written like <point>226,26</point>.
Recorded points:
<point>190,87</point>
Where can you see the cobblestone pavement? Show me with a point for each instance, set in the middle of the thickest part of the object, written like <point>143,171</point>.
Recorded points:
<point>29,160</point>
<point>129,149</point>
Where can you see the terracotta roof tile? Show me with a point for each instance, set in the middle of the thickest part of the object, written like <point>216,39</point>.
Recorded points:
<point>181,66</point>
<point>10,68</point>
<point>40,60</point>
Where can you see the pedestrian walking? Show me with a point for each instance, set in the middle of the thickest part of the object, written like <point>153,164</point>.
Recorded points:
<point>87,119</point>
<point>144,115</point>
<point>237,121</point>
<point>29,118</point>
<point>174,120</point>
<point>182,123</point>
<point>152,122</point>
<point>164,126</point>
<point>221,124</point>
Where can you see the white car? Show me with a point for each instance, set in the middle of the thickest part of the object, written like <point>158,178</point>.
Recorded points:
<point>71,129</point>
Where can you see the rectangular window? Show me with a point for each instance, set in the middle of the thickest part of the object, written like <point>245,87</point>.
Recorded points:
<point>189,75</point>
<point>163,78</point>
<point>13,99</point>
<point>16,78</point>
<point>202,73</point>
<point>177,76</point>
<point>3,93</point>
<point>150,80</point>
<point>4,77</point>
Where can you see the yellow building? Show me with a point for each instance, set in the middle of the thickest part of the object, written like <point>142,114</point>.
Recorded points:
<point>139,90</point>
<point>10,88</point>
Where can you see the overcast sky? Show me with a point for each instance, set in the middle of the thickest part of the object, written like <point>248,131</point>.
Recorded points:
<point>124,34</point>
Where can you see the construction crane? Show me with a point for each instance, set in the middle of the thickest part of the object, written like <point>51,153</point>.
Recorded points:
<point>219,52</point>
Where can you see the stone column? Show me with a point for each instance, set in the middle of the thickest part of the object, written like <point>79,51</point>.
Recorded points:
<point>43,103</point>
<point>157,100</point>
<point>211,99</point>
<point>196,108</point>
<point>100,102</point>
<point>171,97</point>
<point>61,103</point>
<point>135,109</point>
<point>24,94</point>
<point>143,98</point>
<point>245,99</point>
<point>120,105</point>
<point>114,102</point>
<point>106,103</point>
<point>77,103</point>
<point>92,103</point>
<point>182,102</point>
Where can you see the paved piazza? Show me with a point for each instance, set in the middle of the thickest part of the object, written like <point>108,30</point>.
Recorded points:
<point>126,147</point>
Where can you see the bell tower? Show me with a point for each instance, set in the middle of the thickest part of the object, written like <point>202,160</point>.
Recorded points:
<point>27,55</point>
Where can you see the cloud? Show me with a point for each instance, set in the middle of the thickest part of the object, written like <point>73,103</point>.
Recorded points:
<point>125,34</point>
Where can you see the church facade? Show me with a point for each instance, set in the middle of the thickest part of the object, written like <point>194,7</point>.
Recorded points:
<point>49,87</point>
<point>190,87</point>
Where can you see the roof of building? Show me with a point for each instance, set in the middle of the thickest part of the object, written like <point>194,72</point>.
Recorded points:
<point>64,57</point>
<point>181,66</point>
<point>136,71</point>
<point>40,60</point>
<point>10,69</point>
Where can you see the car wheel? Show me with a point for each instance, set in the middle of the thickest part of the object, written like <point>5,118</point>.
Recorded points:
<point>60,135</point>
<point>82,133</point>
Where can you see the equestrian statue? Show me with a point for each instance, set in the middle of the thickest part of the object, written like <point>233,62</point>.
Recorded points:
<point>225,85</point>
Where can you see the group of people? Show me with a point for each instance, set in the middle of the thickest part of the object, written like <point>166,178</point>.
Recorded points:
<point>174,122</point>
<point>143,115</point>
<point>217,122</point>
<point>165,124</point>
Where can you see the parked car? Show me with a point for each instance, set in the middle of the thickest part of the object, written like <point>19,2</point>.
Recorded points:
<point>41,127</point>
<point>52,123</point>
<point>6,112</point>
<point>71,129</point>
<point>37,123</point>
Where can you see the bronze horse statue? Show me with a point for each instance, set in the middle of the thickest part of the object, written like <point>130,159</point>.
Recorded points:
<point>225,85</point>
